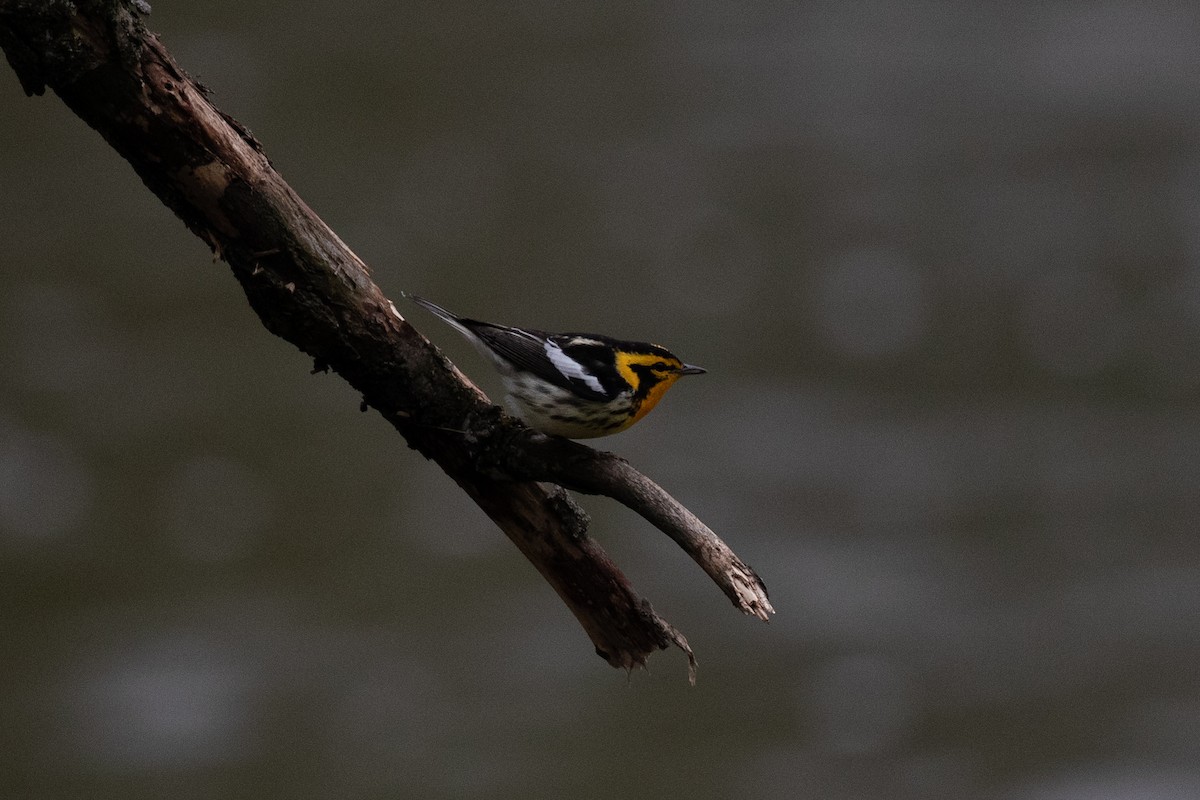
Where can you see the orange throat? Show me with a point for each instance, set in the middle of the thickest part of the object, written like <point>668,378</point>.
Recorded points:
<point>652,397</point>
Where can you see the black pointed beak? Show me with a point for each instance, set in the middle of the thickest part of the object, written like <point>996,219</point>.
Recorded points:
<point>689,369</point>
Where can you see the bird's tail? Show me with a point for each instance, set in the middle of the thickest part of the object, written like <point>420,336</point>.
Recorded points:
<point>443,314</point>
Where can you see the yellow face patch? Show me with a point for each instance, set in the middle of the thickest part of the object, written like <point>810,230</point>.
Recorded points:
<point>660,378</point>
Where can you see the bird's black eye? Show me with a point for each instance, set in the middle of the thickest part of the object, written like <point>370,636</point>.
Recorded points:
<point>660,366</point>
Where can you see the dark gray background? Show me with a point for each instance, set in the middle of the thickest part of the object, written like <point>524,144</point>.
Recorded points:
<point>941,261</point>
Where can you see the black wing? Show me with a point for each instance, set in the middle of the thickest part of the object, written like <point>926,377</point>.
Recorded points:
<point>574,368</point>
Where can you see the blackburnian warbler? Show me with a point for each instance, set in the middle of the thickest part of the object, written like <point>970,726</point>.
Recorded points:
<point>577,385</point>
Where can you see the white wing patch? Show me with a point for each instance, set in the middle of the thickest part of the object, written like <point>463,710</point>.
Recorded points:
<point>570,367</point>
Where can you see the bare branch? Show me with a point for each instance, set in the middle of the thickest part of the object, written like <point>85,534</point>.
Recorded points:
<point>309,288</point>
<point>570,464</point>
<point>616,478</point>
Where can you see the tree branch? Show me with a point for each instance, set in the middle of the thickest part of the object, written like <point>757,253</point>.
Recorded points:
<point>575,466</point>
<point>310,289</point>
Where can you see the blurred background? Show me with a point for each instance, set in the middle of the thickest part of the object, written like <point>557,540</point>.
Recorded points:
<point>941,260</point>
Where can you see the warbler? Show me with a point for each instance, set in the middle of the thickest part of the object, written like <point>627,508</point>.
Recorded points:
<point>577,385</point>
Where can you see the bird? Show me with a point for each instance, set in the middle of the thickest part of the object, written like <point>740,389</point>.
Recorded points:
<point>574,385</point>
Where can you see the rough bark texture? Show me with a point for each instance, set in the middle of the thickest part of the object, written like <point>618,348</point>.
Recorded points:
<point>311,290</point>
